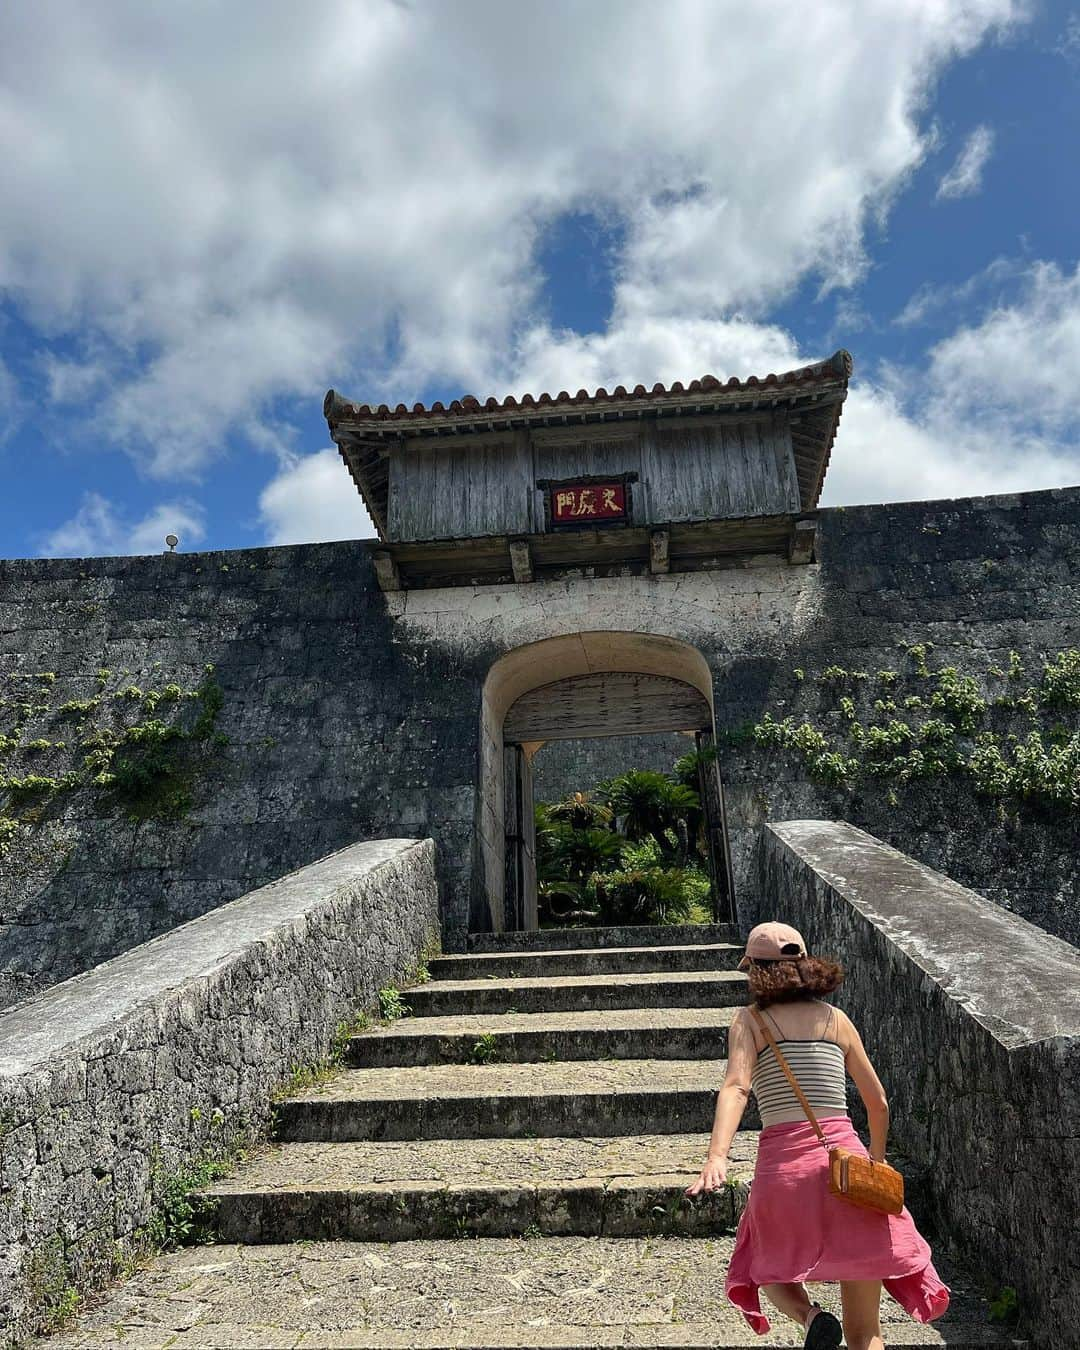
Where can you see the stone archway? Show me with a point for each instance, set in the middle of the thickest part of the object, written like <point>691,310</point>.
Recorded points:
<point>580,684</point>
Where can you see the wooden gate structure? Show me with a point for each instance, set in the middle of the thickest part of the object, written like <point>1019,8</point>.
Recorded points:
<point>632,483</point>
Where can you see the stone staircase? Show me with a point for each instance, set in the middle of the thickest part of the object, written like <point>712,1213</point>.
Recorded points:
<point>504,1167</point>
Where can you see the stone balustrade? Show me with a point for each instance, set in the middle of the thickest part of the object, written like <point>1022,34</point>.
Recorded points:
<point>112,1081</point>
<point>971,1016</point>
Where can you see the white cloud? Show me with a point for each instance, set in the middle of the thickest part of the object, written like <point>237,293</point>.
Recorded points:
<point>1068,44</point>
<point>964,178</point>
<point>993,411</point>
<point>73,381</point>
<point>992,285</point>
<point>8,397</point>
<point>1021,364</point>
<point>311,500</point>
<point>357,201</point>
<point>644,349</point>
<point>99,529</point>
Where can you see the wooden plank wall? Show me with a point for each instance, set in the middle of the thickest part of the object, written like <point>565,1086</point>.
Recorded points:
<point>701,472</point>
<point>450,491</point>
<point>609,704</point>
<point>690,470</point>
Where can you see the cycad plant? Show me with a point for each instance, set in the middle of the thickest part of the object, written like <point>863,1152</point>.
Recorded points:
<point>651,805</point>
<point>581,811</point>
<point>629,852</point>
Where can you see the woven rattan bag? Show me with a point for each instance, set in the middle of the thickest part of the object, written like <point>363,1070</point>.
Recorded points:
<point>862,1181</point>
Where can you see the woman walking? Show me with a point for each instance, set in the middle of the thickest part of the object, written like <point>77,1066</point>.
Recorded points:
<point>793,1229</point>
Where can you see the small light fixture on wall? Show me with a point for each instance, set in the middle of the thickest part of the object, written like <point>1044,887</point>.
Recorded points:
<point>172,541</point>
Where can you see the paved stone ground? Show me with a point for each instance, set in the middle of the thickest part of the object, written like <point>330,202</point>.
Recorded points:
<point>615,1019</point>
<point>400,1153</point>
<point>567,1292</point>
<point>590,961</point>
<point>510,1080</point>
<point>303,1165</point>
<point>679,988</point>
<point>645,981</point>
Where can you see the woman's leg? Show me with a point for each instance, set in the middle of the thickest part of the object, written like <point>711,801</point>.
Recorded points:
<point>861,1300</point>
<point>792,1300</point>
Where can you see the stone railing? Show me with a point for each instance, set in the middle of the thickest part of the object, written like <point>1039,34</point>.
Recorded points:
<point>972,1019</point>
<point>114,1081</point>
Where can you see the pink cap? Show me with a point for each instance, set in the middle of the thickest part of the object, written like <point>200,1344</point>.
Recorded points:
<point>773,942</point>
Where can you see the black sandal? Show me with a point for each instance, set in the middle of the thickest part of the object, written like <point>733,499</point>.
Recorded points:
<point>825,1332</point>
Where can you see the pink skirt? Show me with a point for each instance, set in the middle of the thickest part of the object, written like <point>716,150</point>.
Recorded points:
<point>793,1230</point>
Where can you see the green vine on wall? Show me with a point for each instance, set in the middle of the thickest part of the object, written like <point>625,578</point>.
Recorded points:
<point>145,768</point>
<point>952,728</point>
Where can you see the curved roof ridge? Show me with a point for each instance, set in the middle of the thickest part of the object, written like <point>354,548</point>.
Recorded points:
<point>836,367</point>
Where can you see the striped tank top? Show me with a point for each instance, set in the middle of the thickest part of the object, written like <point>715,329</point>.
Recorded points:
<point>819,1067</point>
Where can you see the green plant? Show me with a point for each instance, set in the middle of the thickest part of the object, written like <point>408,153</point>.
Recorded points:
<point>959,697</point>
<point>1060,684</point>
<point>485,1050</point>
<point>580,812</point>
<point>1005,1305</point>
<point>343,1032</point>
<point>648,803</point>
<point>78,707</point>
<point>918,652</point>
<point>644,895</point>
<point>391,1005</point>
<point>54,1297</point>
<point>180,1218</point>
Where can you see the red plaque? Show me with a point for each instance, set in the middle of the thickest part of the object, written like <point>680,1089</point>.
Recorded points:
<point>584,503</point>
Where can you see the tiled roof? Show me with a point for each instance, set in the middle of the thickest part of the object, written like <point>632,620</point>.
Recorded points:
<point>814,396</point>
<point>836,368</point>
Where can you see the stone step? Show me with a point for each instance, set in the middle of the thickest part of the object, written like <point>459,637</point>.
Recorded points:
<point>518,1038</point>
<point>586,961</point>
<point>478,1101</point>
<point>392,1192</point>
<point>628,935</point>
<point>570,1293</point>
<point>671,989</point>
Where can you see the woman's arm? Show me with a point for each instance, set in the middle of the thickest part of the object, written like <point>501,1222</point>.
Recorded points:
<point>857,1063</point>
<point>730,1105</point>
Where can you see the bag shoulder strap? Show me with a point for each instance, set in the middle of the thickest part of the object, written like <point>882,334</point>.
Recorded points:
<point>755,1013</point>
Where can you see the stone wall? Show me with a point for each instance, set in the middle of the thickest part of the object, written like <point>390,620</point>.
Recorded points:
<point>111,1081</point>
<point>349,714</point>
<point>336,730</point>
<point>562,767</point>
<point>972,1019</point>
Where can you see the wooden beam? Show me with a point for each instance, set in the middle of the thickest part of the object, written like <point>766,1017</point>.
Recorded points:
<point>521,560</point>
<point>386,569</point>
<point>658,551</point>
<point>801,545</point>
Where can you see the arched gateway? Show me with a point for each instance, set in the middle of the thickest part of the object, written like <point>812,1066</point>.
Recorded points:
<point>580,558</point>
<point>583,685</point>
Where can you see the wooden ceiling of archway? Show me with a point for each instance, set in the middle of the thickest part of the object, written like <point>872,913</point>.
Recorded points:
<point>611,704</point>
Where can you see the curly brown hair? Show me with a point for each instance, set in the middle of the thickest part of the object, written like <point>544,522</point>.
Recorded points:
<point>786,981</point>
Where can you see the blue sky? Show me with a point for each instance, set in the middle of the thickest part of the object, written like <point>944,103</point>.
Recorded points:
<point>205,222</point>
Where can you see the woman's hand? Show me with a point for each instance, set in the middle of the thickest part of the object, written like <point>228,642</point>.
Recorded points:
<point>713,1176</point>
